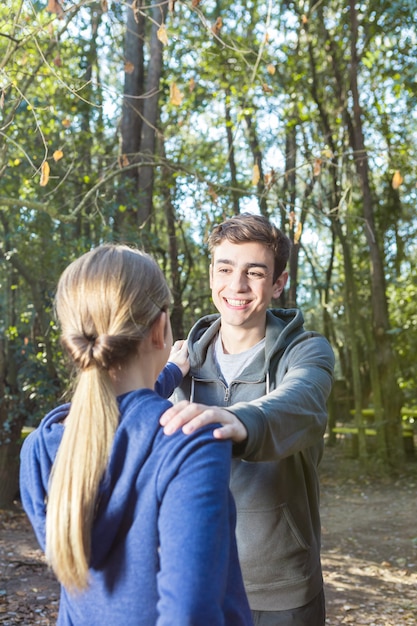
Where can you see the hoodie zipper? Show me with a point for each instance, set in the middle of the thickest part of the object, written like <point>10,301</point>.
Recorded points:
<point>227,390</point>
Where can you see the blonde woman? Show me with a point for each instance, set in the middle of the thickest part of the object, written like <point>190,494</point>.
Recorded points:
<point>138,528</point>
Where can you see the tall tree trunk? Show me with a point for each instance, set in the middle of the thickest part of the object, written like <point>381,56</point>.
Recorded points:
<point>389,390</point>
<point>132,111</point>
<point>257,160</point>
<point>289,195</point>
<point>231,153</point>
<point>177,310</point>
<point>150,118</point>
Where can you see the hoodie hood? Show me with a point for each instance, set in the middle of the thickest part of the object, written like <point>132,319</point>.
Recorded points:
<point>283,327</point>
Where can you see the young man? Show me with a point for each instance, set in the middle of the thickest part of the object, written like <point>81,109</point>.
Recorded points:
<point>265,380</point>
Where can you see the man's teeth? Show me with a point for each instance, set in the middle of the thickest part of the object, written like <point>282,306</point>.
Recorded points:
<point>237,302</point>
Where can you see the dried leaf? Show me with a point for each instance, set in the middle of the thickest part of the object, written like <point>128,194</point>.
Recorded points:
<point>55,7</point>
<point>104,6</point>
<point>271,69</point>
<point>266,38</point>
<point>292,219</point>
<point>162,35</point>
<point>255,174</point>
<point>317,167</point>
<point>124,160</point>
<point>45,169</point>
<point>213,195</point>
<point>195,3</point>
<point>57,155</point>
<point>297,235</point>
<point>129,67</point>
<point>175,95</point>
<point>191,84</point>
<point>66,123</point>
<point>57,61</point>
<point>266,88</point>
<point>397,179</point>
<point>304,18</point>
<point>217,26</point>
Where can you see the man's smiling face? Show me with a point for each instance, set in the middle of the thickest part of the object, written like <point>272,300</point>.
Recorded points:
<point>241,281</point>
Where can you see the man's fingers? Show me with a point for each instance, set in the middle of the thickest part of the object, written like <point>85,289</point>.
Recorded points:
<point>179,415</point>
<point>172,412</point>
<point>235,432</point>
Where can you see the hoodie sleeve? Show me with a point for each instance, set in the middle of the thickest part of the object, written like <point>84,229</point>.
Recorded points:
<point>33,487</point>
<point>196,530</point>
<point>36,458</point>
<point>293,416</point>
<point>168,380</point>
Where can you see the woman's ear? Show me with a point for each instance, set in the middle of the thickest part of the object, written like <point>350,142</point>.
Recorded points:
<point>158,331</point>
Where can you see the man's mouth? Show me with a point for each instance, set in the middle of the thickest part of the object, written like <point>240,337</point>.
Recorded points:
<point>237,302</point>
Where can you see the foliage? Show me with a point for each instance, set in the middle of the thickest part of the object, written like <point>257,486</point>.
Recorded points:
<point>255,111</point>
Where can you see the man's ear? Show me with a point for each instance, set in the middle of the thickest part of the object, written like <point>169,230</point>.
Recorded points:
<point>158,331</point>
<point>211,274</point>
<point>279,284</point>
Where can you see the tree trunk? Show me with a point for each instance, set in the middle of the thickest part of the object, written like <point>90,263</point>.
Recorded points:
<point>390,416</point>
<point>231,153</point>
<point>132,113</point>
<point>150,118</point>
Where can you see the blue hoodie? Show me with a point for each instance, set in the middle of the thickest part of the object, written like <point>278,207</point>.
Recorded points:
<point>163,543</point>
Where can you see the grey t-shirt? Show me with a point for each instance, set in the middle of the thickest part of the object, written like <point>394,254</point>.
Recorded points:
<point>231,365</point>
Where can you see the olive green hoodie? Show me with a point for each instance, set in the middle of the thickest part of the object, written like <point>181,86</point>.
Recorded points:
<point>281,399</point>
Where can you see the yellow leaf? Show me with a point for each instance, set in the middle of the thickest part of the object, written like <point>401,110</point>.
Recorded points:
<point>271,69</point>
<point>162,35</point>
<point>58,154</point>
<point>66,123</point>
<point>45,169</point>
<point>129,67</point>
<point>175,95</point>
<point>255,174</point>
<point>297,235</point>
<point>397,179</point>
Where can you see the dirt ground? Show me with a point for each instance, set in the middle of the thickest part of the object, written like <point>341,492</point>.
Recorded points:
<point>369,552</point>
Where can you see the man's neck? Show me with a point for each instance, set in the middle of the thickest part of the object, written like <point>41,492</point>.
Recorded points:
<point>236,340</point>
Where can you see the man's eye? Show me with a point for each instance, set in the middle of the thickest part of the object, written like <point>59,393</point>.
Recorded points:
<point>223,270</point>
<point>257,275</point>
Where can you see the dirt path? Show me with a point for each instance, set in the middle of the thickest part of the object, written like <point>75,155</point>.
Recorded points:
<point>369,553</point>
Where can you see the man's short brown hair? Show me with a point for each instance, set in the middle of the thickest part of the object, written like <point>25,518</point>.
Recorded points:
<point>246,227</point>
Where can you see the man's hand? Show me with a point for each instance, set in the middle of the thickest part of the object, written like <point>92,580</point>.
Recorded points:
<point>190,416</point>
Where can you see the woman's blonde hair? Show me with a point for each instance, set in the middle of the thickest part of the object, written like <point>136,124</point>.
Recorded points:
<point>106,302</point>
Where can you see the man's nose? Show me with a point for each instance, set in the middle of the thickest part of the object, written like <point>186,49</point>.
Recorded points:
<point>239,281</point>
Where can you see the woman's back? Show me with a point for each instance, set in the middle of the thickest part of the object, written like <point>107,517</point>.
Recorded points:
<point>163,546</point>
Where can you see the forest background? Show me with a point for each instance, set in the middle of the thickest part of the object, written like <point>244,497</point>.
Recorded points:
<point>149,123</point>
